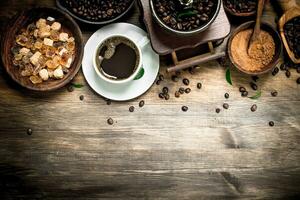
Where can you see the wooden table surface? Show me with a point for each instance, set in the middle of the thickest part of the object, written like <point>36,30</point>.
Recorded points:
<point>157,152</point>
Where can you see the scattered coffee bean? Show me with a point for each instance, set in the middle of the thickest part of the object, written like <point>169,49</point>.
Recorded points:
<point>254,108</point>
<point>110,121</point>
<point>274,93</point>
<point>181,90</point>
<point>218,110</point>
<point>184,108</point>
<point>161,77</point>
<point>175,78</point>
<point>161,95</point>
<point>29,131</point>
<point>70,88</point>
<point>298,80</point>
<point>142,103</point>
<point>226,95</point>
<point>186,81</point>
<point>271,123</point>
<point>253,86</point>
<point>177,94</point>
<point>165,90</point>
<point>242,89</point>
<point>158,82</point>
<point>275,71</point>
<point>226,106</point>
<point>192,70</point>
<point>131,109</point>
<point>188,90</point>
<point>283,67</point>
<point>244,94</point>
<point>108,101</point>
<point>167,96</point>
<point>288,74</point>
<point>255,78</point>
<point>81,97</point>
<point>199,85</point>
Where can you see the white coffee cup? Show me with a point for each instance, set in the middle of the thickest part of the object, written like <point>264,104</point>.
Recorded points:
<point>139,71</point>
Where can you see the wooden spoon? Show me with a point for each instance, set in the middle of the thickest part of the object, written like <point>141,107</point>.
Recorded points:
<point>256,30</point>
<point>291,10</point>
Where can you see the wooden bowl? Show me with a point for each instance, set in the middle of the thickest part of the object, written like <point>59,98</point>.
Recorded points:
<point>22,20</point>
<point>278,46</point>
<point>61,5</point>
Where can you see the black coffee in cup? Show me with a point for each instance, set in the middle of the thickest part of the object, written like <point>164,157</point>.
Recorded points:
<point>118,58</point>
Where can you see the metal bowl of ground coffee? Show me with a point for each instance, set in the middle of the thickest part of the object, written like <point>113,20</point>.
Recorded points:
<point>96,11</point>
<point>184,17</point>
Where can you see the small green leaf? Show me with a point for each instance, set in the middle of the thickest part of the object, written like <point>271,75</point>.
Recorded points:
<point>186,13</point>
<point>228,76</point>
<point>256,96</point>
<point>140,74</point>
<point>77,85</point>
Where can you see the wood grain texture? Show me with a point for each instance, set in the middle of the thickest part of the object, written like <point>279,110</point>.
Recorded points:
<point>157,152</point>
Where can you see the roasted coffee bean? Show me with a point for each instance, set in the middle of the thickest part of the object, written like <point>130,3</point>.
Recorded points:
<point>177,94</point>
<point>275,71</point>
<point>81,97</point>
<point>199,85</point>
<point>241,6</point>
<point>172,13</point>
<point>161,77</point>
<point>242,89</point>
<point>181,90</point>
<point>175,78</point>
<point>226,106</point>
<point>184,108</point>
<point>29,131</point>
<point>161,95</point>
<point>288,74</point>
<point>110,121</point>
<point>283,67</point>
<point>158,82</point>
<point>70,88</point>
<point>298,80</point>
<point>226,95</point>
<point>142,103</point>
<point>167,96</point>
<point>165,90</point>
<point>244,94</point>
<point>96,10</point>
<point>254,108</point>
<point>187,90</point>
<point>271,123</point>
<point>292,34</point>
<point>108,101</point>
<point>274,93</point>
<point>218,110</point>
<point>192,70</point>
<point>253,86</point>
<point>255,78</point>
<point>131,109</point>
<point>186,81</point>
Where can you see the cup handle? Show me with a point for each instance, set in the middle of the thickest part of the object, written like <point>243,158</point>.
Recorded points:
<point>140,74</point>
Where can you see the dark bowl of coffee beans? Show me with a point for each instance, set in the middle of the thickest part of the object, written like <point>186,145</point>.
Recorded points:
<point>96,11</point>
<point>185,17</point>
<point>240,8</point>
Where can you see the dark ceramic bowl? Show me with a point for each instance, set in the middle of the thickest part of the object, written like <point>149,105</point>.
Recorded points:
<point>278,46</point>
<point>185,33</point>
<point>62,7</point>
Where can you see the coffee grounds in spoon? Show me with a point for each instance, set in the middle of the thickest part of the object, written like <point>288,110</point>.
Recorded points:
<point>260,53</point>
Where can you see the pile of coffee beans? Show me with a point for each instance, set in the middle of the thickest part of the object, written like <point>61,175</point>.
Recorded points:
<point>181,18</point>
<point>241,6</point>
<point>97,10</point>
<point>292,34</point>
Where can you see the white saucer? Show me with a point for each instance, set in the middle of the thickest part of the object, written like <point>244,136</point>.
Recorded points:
<point>126,91</point>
